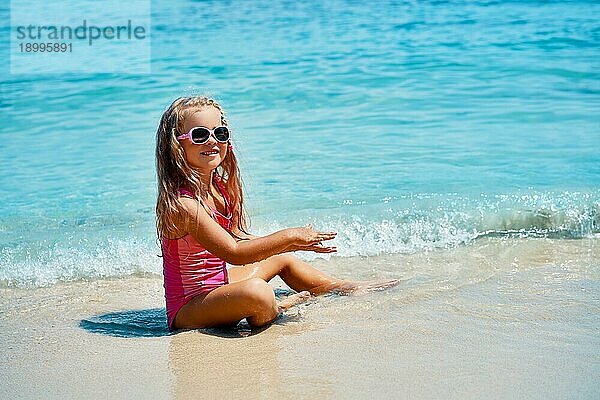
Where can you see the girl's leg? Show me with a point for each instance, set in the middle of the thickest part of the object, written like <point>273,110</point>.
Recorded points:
<point>252,299</point>
<point>299,275</point>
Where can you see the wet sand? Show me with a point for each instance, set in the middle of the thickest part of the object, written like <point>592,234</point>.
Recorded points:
<point>499,318</point>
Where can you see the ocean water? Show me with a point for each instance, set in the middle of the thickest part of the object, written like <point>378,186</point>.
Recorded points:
<point>404,126</point>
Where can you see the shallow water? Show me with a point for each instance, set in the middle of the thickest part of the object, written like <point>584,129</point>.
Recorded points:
<point>502,318</point>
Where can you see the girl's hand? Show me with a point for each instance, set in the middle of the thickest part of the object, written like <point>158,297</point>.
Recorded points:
<point>308,239</point>
<point>316,248</point>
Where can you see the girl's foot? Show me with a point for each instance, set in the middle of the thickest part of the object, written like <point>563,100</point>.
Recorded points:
<point>293,300</point>
<point>371,286</point>
<point>362,287</point>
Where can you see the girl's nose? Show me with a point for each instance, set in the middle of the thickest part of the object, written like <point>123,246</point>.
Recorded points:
<point>212,139</point>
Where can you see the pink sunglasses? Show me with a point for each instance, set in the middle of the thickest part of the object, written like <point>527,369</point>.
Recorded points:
<point>201,134</point>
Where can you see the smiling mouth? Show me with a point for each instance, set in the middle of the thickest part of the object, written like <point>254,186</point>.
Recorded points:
<point>210,153</point>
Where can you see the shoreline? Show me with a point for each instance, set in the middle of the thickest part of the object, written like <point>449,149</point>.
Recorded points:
<point>499,318</point>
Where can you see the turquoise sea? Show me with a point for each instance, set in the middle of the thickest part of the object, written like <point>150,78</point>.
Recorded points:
<point>404,126</point>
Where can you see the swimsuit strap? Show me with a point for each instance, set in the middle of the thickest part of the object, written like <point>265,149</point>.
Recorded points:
<point>221,189</point>
<point>187,192</point>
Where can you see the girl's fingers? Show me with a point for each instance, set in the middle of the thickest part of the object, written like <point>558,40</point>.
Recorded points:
<point>329,235</point>
<point>316,237</point>
<point>326,250</point>
<point>319,249</point>
<point>321,237</point>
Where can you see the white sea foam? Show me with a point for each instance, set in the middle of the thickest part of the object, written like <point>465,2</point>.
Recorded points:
<point>401,226</point>
<point>23,267</point>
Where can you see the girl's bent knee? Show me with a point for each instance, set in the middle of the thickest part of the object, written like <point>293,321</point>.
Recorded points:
<point>285,259</point>
<point>263,314</point>
<point>261,295</point>
<point>263,306</point>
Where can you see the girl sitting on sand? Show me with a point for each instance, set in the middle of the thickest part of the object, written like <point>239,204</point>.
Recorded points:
<point>202,226</point>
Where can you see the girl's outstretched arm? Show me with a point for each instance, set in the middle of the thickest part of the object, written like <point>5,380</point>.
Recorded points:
<point>239,234</point>
<point>197,222</point>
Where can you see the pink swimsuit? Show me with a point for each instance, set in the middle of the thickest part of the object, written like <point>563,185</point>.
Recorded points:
<point>189,269</point>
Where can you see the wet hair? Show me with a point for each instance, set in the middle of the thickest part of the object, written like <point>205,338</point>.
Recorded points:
<point>173,171</point>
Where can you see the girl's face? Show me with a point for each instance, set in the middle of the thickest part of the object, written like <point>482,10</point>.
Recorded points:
<point>209,117</point>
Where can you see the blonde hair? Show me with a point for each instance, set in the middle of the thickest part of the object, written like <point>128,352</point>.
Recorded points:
<point>173,171</point>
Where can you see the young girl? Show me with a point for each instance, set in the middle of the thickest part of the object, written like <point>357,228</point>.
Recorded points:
<point>202,226</point>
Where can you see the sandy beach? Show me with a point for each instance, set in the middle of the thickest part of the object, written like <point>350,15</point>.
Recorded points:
<point>500,318</point>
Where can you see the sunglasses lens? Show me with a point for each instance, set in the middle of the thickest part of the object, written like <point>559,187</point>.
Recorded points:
<point>222,134</point>
<point>200,135</point>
